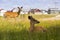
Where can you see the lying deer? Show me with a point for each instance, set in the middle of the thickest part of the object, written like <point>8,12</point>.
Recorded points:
<point>32,25</point>
<point>11,14</point>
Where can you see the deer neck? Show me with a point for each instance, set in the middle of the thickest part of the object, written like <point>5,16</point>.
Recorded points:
<point>19,11</point>
<point>32,25</point>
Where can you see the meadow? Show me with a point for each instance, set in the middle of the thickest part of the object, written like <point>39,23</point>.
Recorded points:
<point>18,28</point>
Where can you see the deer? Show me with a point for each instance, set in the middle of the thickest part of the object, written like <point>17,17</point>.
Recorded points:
<point>33,27</point>
<point>11,14</point>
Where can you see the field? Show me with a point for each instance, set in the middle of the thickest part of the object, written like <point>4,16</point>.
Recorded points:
<point>18,28</point>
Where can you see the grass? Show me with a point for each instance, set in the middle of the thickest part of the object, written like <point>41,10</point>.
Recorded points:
<point>17,29</point>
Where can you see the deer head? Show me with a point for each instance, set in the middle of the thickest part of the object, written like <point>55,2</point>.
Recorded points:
<point>33,20</point>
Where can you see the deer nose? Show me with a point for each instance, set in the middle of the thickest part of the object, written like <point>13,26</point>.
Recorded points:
<point>38,22</point>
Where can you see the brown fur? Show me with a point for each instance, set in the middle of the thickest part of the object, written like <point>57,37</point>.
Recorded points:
<point>32,25</point>
<point>40,28</point>
<point>10,14</point>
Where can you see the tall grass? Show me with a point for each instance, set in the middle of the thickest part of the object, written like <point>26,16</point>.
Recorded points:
<point>18,29</point>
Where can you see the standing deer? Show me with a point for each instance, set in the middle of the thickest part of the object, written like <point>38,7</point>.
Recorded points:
<point>11,14</point>
<point>32,25</point>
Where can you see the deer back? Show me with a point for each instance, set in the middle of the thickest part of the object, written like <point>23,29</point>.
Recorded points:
<point>11,14</point>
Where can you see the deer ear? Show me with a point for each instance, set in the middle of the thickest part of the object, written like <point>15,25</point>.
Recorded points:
<point>18,7</point>
<point>21,7</point>
<point>29,17</point>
